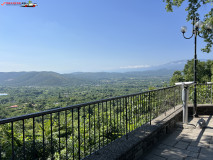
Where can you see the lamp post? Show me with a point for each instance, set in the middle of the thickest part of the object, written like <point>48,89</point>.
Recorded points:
<point>195,32</point>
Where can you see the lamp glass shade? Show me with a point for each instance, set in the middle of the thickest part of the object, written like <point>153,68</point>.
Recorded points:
<point>199,24</point>
<point>183,29</point>
<point>208,26</point>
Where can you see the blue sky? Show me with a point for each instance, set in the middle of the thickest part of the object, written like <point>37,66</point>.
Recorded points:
<point>93,35</point>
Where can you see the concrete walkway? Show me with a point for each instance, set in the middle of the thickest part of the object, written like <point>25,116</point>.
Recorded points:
<point>188,142</point>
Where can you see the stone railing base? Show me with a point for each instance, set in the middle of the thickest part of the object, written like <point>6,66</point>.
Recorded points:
<point>202,109</point>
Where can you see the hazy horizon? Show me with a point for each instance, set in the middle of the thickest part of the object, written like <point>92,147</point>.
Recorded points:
<point>178,63</point>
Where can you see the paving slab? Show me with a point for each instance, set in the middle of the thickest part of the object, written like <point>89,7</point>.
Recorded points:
<point>182,145</point>
<point>193,149</point>
<point>187,142</point>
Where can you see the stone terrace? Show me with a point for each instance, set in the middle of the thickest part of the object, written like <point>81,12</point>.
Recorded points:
<point>185,143</point>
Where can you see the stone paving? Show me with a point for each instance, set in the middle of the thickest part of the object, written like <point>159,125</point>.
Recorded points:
<point>187,142</point>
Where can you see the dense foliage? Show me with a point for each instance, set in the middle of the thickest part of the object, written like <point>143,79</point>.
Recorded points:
<point>204,72</point>
<point>66,134</point>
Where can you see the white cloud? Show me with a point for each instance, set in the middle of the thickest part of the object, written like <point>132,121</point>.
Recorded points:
<point>135,67</point>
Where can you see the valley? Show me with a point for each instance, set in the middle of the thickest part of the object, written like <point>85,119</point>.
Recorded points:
<point>30,92</point>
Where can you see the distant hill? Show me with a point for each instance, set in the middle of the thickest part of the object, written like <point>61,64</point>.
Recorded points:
<point>36,79</point>
<point>160,72</point>
<point>9,76</point>
<point>117,75</point>
<point>79,78</point>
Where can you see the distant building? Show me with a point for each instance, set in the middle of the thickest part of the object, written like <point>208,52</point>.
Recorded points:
<point>14,106</point>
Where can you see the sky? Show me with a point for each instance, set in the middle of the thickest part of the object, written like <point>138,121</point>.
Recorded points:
<point>93,35</point>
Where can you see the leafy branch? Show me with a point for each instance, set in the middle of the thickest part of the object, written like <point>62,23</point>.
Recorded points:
<point>193,11</point>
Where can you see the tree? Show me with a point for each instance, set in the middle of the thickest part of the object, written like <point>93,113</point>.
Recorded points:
<point>188,71</point>
<point>192,9</point>
<point>177,77</point>
<point>204,72</point>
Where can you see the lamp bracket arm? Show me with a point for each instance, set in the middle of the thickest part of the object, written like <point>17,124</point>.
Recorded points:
<point>188,37</point>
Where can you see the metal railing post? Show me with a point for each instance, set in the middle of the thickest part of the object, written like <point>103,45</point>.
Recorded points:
<point>211,85</point>
<point>150,111</point>
<point>174,99</point>
<point>211,93</point>
<point>126,118</point>
<point>12,134</point>
<point>79,143</point>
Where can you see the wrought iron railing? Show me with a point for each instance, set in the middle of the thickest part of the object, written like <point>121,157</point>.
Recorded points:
<point>204,94</point>
<point>77,131</point>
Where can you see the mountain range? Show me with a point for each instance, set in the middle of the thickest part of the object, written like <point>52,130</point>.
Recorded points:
<point>175,65</point>
<point>78,78</point>
<point>46,78</point>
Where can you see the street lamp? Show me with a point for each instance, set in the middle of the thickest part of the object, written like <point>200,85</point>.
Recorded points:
<point>195,32</point>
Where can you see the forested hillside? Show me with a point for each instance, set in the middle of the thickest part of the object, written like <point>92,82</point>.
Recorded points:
<point>81,78</point>
<point>29,92</point>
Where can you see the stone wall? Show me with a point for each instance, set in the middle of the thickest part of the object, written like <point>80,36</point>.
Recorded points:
<point>202,109</point>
